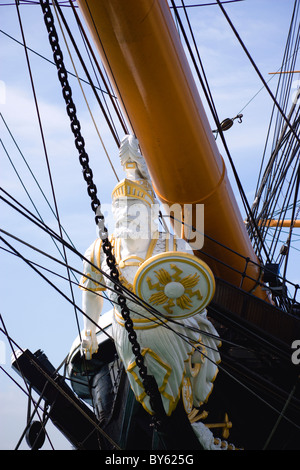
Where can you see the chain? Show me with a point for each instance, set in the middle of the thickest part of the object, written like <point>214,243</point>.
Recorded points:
<point>149,381</point>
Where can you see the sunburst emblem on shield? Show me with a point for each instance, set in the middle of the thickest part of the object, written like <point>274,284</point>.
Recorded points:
<point>177,284</point>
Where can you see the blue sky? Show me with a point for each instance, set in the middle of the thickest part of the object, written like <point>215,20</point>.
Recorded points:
<point>35,315</point>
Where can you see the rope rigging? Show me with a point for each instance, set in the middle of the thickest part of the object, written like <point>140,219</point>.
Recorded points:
<point>129,295</point>
<point>209,98</point>
<point>278,184</point>
<point>92,191</point>
<point>257,226</point>
<point>149,382</point>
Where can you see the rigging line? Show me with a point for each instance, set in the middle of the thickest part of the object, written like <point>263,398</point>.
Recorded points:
<point>262,178</point>
<point>208,4</point>
<point>189,340</point>
<point>158,321</point>
<point>244,329</point>
<point>98,81</point>
<point>76,252</point>
<point>28,394</point>
<point>292,219</point>
<point>200,351</point>
<point>50,61</point>
<point>278,230</point>
<point>255,336</point>
<point>252,392</point>
<point>208,91</point>
<point>278,188</point>
<point>280,174</point>
<point>273,167</point>
<point>52,285</point>
<point>177,334</point>
<point>48,230</point>
<point>282,141</point>
<point>13,380</point>
<point>35,263</point>
<point>86,43</point>
<point>133,297</point>
<point>260,398</point>
<point>224,246</point>
<point>31,2</point>
<point>274,195</point>
<point>235,379</point>
<point>136,299</point>
<point>31,200</point>
<point>22,375</point>
<point>111,72</point>
<point>214,112</point>
<point>56,8</point>
<point>44,146</point>
<point>52,234</point>
<point>276,213</point>
<point>43,423</point>
<point>256,69</point>
<point>76,283</point>
<point>189,327</point>
<point>68,397</point>
<point>292,392</point>
<point>53,259</point>
<point>36,405</point>
<point>30,418</point>
<point>33,401</point>
<point>20,179</point>
<point>31,172</point>
<point>279,193</point>
<point>248,389</point>
<point>151,310</point>
<point>293,58</point>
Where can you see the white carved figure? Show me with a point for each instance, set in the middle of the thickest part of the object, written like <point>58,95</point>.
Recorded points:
<point>181,355</point>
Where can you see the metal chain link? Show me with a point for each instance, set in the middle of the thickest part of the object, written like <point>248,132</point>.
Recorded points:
<point>149,381</point>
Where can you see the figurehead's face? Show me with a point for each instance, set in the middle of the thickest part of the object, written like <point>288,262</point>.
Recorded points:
<point>133,219</point>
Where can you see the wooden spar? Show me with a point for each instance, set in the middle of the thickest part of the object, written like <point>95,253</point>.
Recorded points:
<point>286,71</point>
<point>140,48</point>
<point>279,223</point>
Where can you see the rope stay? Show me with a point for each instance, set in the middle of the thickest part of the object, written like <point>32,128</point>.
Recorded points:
<point>149,382</point>
<point>277,192</point>
<point>258,226</point>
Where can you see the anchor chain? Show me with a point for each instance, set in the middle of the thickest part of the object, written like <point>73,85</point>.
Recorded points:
<point>149,381</point>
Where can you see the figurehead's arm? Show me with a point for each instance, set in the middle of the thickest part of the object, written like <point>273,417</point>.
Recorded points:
<point>92,285</point>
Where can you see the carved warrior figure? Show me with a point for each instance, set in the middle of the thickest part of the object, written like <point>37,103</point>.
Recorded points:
<point>182,356</point>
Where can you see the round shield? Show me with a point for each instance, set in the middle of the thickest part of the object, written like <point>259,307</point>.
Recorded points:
<point>177,284</point>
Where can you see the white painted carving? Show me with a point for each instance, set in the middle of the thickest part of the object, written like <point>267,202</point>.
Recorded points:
<point>173,352</point>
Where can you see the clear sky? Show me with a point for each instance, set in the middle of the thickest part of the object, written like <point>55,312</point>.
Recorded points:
<point>36,316</point>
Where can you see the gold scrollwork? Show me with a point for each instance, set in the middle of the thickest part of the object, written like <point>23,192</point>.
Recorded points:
<point>187,395</point>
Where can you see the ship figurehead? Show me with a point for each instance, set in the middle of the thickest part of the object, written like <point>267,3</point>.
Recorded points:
<point>170,291</point>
